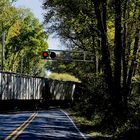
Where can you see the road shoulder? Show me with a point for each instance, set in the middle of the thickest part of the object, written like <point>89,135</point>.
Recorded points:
<point>87,127</point>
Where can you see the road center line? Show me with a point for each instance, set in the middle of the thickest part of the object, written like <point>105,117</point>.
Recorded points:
<point>74,125</point>
<point>21,128</point>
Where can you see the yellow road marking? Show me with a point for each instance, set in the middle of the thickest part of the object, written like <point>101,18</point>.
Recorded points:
<point>21,128</point>
<point>15,131</point>
<point>19,132</point>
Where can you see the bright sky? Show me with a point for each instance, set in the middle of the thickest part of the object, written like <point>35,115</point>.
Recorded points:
<point>36,8</point>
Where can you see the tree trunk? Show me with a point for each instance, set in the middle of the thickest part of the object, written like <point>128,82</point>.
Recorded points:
<point>133,62</point>
<point>124,59</point>
<point>101,24</point>
<point>117,53</point>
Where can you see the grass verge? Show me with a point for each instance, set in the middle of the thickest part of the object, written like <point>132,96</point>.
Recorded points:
<point>88,127</point>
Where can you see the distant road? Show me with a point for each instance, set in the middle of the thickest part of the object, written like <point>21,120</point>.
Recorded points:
<point>53,124</point>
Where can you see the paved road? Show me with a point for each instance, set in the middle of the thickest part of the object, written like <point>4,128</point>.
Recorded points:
<point>53,124</point>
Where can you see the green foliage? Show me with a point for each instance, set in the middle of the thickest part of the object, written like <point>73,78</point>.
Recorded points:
<point>25,37</point>
<point>63,77</point>
<point>94,97</point>
<point>94,29</point>
<point>93,26</point>
<point>88,126</point>
<point>136,79</point>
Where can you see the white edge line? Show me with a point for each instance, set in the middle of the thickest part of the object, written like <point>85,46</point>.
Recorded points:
<point>74,124</point>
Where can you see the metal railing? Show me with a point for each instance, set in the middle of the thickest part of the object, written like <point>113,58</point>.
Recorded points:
<point>17,86</point>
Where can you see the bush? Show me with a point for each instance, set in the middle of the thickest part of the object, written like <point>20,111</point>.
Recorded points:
<point>92,97</point>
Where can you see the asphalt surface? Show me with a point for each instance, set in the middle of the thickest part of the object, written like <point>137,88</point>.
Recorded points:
<point>54,124</point>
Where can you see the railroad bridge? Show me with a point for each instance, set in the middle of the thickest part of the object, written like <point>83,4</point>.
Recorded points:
<point>27,92</point>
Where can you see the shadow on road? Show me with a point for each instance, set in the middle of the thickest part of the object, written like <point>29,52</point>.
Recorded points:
<point>51,125</point>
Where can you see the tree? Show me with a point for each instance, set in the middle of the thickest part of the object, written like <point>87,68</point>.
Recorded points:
<point>25,40</point>
<point>91,29</point>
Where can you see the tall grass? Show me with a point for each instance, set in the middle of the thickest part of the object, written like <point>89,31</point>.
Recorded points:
<point>64,77</point>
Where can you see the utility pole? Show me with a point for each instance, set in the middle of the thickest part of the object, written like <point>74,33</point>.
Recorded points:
<point>2,52</point>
